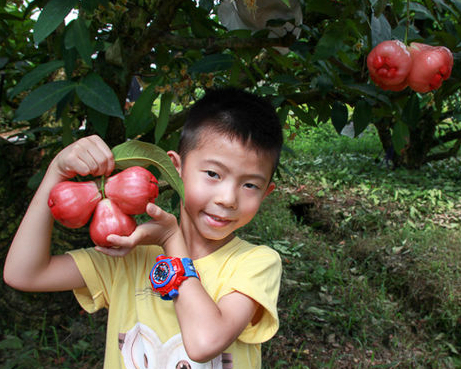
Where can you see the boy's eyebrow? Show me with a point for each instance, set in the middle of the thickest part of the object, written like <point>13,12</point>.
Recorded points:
<point>221,165</point>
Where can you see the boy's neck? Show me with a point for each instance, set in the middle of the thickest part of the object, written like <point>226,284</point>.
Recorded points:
<point>197,246</point>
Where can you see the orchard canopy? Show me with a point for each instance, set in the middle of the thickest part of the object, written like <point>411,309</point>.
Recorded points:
<point>129,69</point>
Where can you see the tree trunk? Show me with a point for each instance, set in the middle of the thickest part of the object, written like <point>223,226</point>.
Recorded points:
<point>416,152</point>
<point>385,136</point>
<point>420,145</point>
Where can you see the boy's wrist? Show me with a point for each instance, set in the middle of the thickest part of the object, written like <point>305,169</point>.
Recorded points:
<point>175,246</point>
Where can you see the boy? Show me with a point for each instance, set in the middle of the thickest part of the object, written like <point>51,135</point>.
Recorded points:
<point>220,313</point>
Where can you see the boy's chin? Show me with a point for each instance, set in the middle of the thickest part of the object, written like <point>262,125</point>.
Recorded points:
<point>222,239</point>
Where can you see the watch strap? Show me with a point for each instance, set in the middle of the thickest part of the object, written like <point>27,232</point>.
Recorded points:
<point>189,268</point>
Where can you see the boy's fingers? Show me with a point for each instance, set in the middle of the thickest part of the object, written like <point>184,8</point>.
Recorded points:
<point>113,251</point>
<point>123,241</point>
<point>99,161</point>
<point>90,155</point>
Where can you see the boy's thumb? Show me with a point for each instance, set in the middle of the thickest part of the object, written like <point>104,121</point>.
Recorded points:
<point>153,210</point>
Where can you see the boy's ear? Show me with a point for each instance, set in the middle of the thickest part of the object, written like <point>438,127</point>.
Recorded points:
<point>269,189</point>
<point>175,159</point>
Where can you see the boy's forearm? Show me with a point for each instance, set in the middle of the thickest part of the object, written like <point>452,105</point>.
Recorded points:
<point>207,327</point>
<point>30,250</point>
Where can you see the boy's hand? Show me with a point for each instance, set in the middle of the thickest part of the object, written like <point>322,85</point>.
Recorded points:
<point>89,155</point>
<point>162,230</point>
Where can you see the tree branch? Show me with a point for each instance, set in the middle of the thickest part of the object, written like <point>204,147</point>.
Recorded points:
<point>211,44</point>
<point>160,25</point>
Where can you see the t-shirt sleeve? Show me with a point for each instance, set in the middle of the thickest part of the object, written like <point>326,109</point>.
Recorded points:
<point>97,270</point>
<point>258,276</point>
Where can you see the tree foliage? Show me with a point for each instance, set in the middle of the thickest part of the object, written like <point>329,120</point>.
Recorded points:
<point>75,76</point>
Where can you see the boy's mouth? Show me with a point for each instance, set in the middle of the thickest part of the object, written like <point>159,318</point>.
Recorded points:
<point>217,220</point>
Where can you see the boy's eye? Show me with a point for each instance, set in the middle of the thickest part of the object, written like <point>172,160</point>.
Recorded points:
<point>251,186</point>
<point>212,174</point>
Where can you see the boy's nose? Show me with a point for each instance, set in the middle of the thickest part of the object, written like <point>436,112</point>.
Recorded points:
<point>227,198</point>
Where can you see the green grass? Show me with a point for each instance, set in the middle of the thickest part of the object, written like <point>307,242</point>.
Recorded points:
<point>372,266</point>
<point>376,283</point>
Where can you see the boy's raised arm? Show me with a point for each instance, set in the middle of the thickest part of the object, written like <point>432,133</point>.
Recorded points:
<point>29,265</point>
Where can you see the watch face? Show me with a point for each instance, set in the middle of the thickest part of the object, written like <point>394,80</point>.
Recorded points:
<point>161,272</point>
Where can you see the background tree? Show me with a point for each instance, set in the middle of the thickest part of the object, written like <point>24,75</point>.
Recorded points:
<point>177,48</point>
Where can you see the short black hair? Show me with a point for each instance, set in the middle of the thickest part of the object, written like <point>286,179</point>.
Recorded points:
<point>238,114</point>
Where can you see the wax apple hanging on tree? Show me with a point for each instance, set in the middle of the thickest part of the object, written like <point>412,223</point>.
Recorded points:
<point>389,64</point>
<point>431,66</point>
<point>394,66</point>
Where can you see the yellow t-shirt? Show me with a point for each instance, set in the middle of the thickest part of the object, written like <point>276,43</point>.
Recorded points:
<point>142,329</point>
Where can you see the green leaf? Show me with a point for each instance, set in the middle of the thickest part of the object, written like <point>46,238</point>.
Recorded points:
<point>96,94</point>
<point>370,90</point>
<point>400,137</point>
<point>283,114</point>
<point>322,7</point>
<point>380,30</point>
<point>206,4</point>
<point>78,36</point>
<point>144,154</point>
<point>303,116</point>
<point>212,63</point>
<point>199,23</point>
<point>51,17</point>
<point>329,45</point>
<point>70,59</point>
<point>163,116</point>
<point>421,12</point>
<point>361,117</point>
<point>11,343</point>
<point>91,5</point>
<point>35,75</point>
<point>42,99</point>
<point>99,121</point>
<point>235,73</point>
<point>339,116</point>
<point>141,117</point>
<point>411,112</point>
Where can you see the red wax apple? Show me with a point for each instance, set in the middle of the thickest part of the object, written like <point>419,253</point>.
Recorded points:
<point>132,189</point>
<point>389,64</point>
<point>72,203</point>
<point>109,219</point>
<point>431,66</point>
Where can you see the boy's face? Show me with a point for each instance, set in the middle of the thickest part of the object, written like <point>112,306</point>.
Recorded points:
<point>225,182</point>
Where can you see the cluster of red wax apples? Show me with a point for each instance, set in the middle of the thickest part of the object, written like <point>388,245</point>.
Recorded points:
<point>110,205</point>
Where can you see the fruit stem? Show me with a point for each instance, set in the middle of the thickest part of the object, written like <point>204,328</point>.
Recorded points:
<point>407,28</point>
<point>101,188</point>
